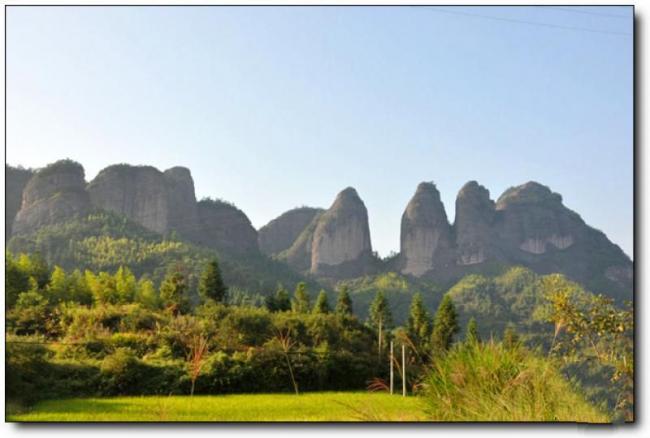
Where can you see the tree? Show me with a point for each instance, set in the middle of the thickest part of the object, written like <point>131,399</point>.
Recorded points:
<point>380,318</point>
<point>173,292</point>
<point>344,303</point>
<point>146,294</point>
<point>300,303</point>
<point>418,326</point>
<point>472,336</point>
<point>322,305</point>
<point>125,285</point>
<point>57,288</point>
<point>16,280</point>
<point>280,302</point>
<point>445,326</point>
<point>211,284</point>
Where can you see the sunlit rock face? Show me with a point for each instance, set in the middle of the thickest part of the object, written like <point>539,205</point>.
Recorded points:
<point>54,194</point>
<point>280,234</point>
<point>341,242</point>
<point>426,236</point>
<point>475,213</point>
<point>534,220</point>
<point>162,202</point>
<point>16,179</point>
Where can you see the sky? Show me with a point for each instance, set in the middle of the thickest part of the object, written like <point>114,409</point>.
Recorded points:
<point>277,107</point>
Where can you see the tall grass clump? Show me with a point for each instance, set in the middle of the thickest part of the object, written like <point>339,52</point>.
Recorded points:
<point>495,382</point>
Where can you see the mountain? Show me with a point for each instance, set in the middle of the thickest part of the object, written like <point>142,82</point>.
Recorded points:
<point>528,226</point>
<point>279,234</point>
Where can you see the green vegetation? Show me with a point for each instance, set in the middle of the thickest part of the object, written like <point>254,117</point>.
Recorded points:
<point>73,334</point>
<point>322,406</point>
<point>492,382</point>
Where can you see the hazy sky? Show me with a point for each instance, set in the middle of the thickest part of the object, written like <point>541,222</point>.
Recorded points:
<point>272,108</point>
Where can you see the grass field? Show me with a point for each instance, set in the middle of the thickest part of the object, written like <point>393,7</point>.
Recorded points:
<point>322,406</point>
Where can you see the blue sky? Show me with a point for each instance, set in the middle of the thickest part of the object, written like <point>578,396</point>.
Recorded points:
<point>272,108</point>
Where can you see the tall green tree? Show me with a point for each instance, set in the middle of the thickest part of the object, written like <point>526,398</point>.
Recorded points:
<point>472,336</point>
<point>211,284</point>
<point>126,285</point>
<point>322,304</point>
<point>445,326</point>
<point>16,280</point>
<point>280,301</point>
<point>344,303</point>
<point>174,291</point>
<point>418,325</point>
<point>57,288</point>
<point>147,295</point>
<point>300,303</point>
<point>380,319</point>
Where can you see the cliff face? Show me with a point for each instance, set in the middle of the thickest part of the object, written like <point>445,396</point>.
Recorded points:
<point>225,228</point>
<point>426,238</point>
<point>54,194</point>
<point>298,255</point>
<point>475,214</point>
<point>16,178</point>
<point>280,234</point>
<point>162,202</point>
<point>341,243</point>
<point>533,219</point>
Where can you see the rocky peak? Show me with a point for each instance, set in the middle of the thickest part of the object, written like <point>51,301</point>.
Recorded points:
<point>280,234</point>
<point>475,213</point>
<point>341,243</point>
<point>54,194</point>
<point>426,237</point>
<point>533,219</point>
<point>183,216</point>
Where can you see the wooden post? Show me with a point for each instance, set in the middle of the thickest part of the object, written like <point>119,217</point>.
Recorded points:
<point>403,370</point>
<point>391,367</point>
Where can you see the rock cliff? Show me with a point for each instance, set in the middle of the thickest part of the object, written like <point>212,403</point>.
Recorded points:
<point>475,214</point>
<point>16,179</point>
<point>162,202</point>
<point>341,244</point>
<point>426,237</point>
<point>54,194</point>
<point>280,234</point>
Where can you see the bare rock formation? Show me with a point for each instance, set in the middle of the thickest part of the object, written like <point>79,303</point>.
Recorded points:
<point>475,214</point>
<point>280,234</point>
<point>16,178</point>
<point>533,219</point>
<point>54,194</point>
<point>426,236</point>
<point>341,244</point>
<point>162,202</point>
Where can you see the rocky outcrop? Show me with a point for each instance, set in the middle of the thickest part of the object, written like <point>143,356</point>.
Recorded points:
<point>225,228</point>
<point>534,220</point>
<point>298,255</point>
<point>183,215</point>
<point>162,202</point>
<point>475,213</point>
<point>426,236</point>
<point>280,234</point>
<point>16,178</point>
<point>54,194</point>
<point>341,243</point>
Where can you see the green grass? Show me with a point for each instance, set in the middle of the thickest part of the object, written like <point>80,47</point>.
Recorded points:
<point>493,382</point>
<point>321,406</point>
